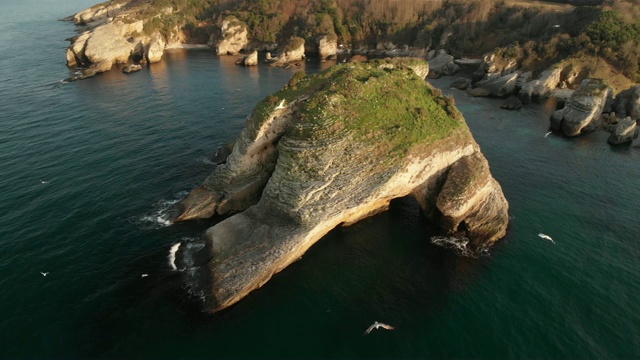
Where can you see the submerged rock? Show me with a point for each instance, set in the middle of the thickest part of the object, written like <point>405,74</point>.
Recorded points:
<point>329,150</point>
<point>512,103</point>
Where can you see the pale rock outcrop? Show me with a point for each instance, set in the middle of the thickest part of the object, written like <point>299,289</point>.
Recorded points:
<point>328,46</point>
<point>500,86</point>
<point>627,103</point>
<point>233,37</point>
<point>249,59</point>
<point>99,12</point>
<point>442,64</point>
<point>115,36</point>
<point>582,111</point>
<point>493,66</point>
<point>155,48</point>
<point>293,50</point>
<point>541,87</point>
<point>329,154</point>
<point>624,132</point>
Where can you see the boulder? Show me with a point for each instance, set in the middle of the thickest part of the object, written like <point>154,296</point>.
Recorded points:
<point>493,63</point>
<point>624,132</point>
<point>291,178</point>
<point>233,37</point>
<point>131,68</point>
<point>512,103</point>
<point>442,64</point>
<point>328,46</point>
<point>293,50</point>
<point>627,103</point>
<point>499,86</point>
<point>541,87</point>
<point>582,111</point>
<point>249,59</point>
<point>461,83</point>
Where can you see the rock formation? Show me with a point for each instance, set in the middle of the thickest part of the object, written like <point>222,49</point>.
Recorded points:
<point>328,46</point>
<point>249,59</point>
<point>542,86</point>
<point>624,132</point>
<point>131,68</point>
<point>329,150</point>
<point>442,64</point>
<point>114,35</point>
<point>293,50</point>
<point>627,103</point>
<point>512,103</point>
<point>496,85</point>
<point>233,37</point>
<point>582,111</point>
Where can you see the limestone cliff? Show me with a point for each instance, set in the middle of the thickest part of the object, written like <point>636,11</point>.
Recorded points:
<point>329,150</point>
<point>114,32</point>
<point>233,37</point>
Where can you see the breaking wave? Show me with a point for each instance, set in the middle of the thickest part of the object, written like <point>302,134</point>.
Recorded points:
<point>159,215</point>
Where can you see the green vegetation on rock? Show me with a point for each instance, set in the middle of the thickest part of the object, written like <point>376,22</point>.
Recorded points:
<point>377,101</point>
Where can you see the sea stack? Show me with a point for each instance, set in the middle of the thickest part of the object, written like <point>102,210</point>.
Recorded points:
<point>328,150</point>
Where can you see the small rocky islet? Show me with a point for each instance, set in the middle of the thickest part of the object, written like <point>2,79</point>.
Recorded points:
<point>328,150</point>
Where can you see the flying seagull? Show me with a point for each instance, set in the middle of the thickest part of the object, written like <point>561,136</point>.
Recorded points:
<point>547,134</point>
<point>144,275</point>
<point>43,182</point>
<point>377,325</point>
<point>281,105</point>
<point>546,237</point>
<point>44,274</point>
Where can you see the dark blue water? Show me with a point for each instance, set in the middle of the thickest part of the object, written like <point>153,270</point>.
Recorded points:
<point>116,150</point>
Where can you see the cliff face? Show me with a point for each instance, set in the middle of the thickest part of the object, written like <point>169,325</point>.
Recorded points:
<point>233,37</point>
<point>331,149</point>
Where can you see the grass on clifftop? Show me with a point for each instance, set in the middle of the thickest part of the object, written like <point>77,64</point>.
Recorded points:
<point>389,109</point>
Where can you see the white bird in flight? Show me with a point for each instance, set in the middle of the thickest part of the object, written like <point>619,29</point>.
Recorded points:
<point>546,237</point>
<point>377,325</point>
<point>281,105</point>
<point>547,134</point>
<point>43,182</point>
<point>144,275</point>
<point>44,273</point>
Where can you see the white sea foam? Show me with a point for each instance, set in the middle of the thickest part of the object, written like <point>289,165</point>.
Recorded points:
<point>172,255</point>
<point>459,245</point>
<point>159,215</point>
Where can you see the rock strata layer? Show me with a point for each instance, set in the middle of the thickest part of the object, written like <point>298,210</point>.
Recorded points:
<point>329,150</point>
<point>582,111</point>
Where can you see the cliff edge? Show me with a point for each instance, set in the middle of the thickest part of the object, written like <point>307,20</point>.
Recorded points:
<point>329,150</point>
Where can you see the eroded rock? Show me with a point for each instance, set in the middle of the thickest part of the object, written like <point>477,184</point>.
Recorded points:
<point>624,132</point>
<point>331,149</point>
<point>234,36</point>
<point>582,111</point>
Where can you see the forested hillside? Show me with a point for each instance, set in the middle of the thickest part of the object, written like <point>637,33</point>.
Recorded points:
<point>538,33</point>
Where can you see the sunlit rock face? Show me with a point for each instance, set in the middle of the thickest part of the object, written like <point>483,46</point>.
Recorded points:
<point>329,150</point>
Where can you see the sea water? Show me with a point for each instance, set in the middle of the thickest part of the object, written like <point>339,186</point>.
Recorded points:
<point>89,168</point>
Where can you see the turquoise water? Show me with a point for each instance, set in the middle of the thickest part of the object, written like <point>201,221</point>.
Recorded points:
<point>116,150</point>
